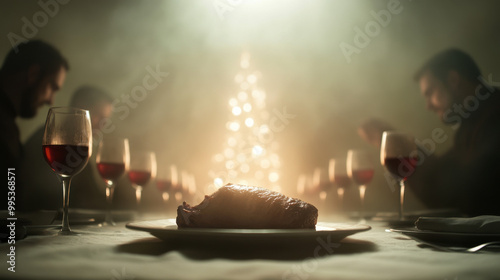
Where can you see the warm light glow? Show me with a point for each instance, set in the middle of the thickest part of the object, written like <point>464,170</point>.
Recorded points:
<point>247,107</point>
<point>234,126</point>
<point>316,177</point>
<point>362,190</point>
<point>301,184</point>
<point>264,129</point>
<point>229,153</point>
<point>233,102</point>
<point>242,95</point>
<point>322,195</point>
<point>245,86</point>
<point>274,177</point>
<point>230,164</point>
<point>340,193</point>
<point>178,196</point>
<point>236,111</point>
<point>218,182</point>
<point>244,168</point>
<point>331,170</point>
<point>175,176</point>
<point>165,196</point>
<point>249,122</point>
<point>257,150</point>
<point>249,153</point>
<point>241,158</point>
<point>252,79</point>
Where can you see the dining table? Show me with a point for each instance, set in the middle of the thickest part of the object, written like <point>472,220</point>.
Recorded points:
<point>124,251</point>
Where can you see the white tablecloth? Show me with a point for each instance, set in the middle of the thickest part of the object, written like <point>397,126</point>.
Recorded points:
<point>119,253</point>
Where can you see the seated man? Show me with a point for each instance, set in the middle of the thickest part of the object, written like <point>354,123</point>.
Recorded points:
<point>30,75</point>
<point>465,177</point>
<point>87,188</point>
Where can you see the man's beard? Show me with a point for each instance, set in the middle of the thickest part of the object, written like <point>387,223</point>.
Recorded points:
<point>29,106</point>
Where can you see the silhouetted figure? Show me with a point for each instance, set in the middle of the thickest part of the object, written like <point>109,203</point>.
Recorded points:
<point>31,74</point>
<point>466,176</point>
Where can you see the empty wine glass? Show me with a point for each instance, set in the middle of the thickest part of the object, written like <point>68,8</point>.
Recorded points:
<point>142,169</point>
<point>337,173</point>
<point>112,161</point>
<point>67,146</point>
<point>360,170</point>
<point>398,154</point>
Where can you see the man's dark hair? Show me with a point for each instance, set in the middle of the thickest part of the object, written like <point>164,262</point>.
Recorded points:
<point>451,59</point>
<point>22,56</point>
<point>86,97</point>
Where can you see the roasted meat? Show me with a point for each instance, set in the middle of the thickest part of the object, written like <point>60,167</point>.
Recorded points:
<point>238,206</point>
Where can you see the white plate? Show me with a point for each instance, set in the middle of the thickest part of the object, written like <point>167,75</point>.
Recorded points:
<point>448,238</point>
<point>167,230</point>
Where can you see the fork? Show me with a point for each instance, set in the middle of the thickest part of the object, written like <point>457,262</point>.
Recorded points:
<point>474,249</point>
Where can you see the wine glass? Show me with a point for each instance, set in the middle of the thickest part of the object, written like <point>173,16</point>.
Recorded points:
<point>398,154</point>
<point>337,173</point>
<point>165,180</point>
<point>360,170</point>
<point>142,169</point>
<point>112,160</point>
<point>321,183</point>
<point>67,146</point>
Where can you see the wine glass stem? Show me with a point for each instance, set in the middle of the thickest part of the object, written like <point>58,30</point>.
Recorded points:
<point>340,194</point>
<point>66,181</point>
<point>109,202</point>
<point>401,198</point>
<point>362,190</point>
<point>138,195</point>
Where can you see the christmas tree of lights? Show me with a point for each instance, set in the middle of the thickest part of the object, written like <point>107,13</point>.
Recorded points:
<point>249,154</point>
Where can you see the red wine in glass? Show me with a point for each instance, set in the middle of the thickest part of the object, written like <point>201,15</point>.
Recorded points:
<point>66,160</point>
<point>66,146</point>
<point>400,167</point>
<point>139,177</point>
<point>362,176</point>
<point>112,161</point>
<point>360,170</point>
<point>163,185</point>
<point>110,170</point>
<point>142,169</point>
<point>337,171</point>
<point>398,154</point>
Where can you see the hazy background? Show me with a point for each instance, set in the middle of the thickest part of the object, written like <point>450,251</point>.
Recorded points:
<point>294,44</point>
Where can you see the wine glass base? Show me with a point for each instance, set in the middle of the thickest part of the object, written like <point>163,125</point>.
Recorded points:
<point>69,233</point>
<point>107,224</point>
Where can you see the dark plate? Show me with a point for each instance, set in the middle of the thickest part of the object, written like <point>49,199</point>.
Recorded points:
<point>167,230</point>
<point>449,238</point>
